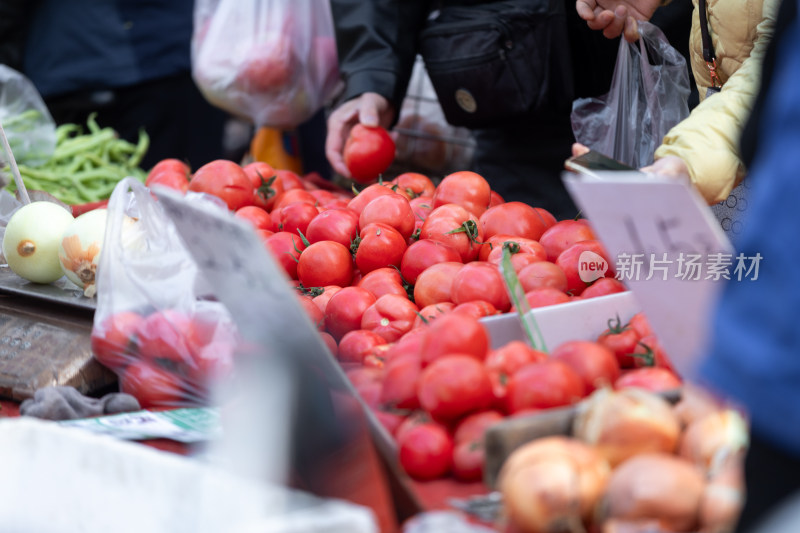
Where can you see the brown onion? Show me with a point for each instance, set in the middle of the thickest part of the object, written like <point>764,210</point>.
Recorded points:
<point>723,497</point>
<point>695,403</point>
<point>616,525</point>
<point>655,486</point>
<point>710,440</point>
<point>552,485</point>
<point>627,422</point>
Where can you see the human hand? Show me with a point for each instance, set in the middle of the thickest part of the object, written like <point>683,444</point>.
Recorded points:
<point>616,17</point>
<point>670,166</point>
<point>369,109</point>
<point>579,149</point>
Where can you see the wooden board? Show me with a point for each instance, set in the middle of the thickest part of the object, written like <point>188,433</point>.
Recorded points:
<point>42,344</point>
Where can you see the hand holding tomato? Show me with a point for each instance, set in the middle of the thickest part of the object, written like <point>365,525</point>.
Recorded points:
<point>368,152</point>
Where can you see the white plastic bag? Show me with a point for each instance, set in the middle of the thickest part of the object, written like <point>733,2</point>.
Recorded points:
<point>29,127</point>
<point>648,96</point>
<point>270,61</point>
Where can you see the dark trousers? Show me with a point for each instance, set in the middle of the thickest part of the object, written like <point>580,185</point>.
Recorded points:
<point>181,124</point>
<point>772,475</point>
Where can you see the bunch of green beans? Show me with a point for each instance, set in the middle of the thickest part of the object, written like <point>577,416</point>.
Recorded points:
<point>86,167</point>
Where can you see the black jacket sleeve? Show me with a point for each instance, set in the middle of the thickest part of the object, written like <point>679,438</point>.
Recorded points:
<point>377,43</point>
<point>13,27</point>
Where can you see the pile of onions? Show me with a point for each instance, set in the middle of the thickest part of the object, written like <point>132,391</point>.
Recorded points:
<point>552,485</point>
<point>710,440</point>
<point>655,486</point>
<point>627,422</point>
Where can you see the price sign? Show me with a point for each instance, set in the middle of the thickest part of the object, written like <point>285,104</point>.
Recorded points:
<point>329,448</point>
<point>668,248</point>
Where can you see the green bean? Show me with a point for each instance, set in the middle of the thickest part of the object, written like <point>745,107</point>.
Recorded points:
<point>141,149</point>
<point>77,145</point>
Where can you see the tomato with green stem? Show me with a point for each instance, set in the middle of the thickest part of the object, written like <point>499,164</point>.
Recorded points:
<point>456,227</point>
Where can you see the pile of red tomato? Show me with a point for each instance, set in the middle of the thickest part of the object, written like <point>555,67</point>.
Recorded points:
<point>396,278</point>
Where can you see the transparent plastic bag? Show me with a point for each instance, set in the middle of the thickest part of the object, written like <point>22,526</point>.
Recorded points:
<point>648,96</point>
<point>30,129</point>
<point>271,61</point>
<point>154,325</point>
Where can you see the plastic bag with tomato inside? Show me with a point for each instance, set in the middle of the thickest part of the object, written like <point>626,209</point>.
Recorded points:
<point>271,61</point>
<point>648,96</point>
<point>154,325</point>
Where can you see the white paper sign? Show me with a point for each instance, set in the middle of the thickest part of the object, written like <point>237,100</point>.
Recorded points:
<point>668,248</point>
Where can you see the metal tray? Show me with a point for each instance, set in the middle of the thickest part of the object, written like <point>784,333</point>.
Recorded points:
<point>62,291</point>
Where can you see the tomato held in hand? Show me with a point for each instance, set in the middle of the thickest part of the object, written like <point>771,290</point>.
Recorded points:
<point>368,152</point>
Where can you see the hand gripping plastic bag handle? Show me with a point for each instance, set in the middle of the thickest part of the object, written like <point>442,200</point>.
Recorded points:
<point>648,96</point>
<point>273,62</point>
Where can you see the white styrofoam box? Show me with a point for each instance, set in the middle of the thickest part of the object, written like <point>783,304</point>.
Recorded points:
<point>64,480</point>
<point>578,320</point>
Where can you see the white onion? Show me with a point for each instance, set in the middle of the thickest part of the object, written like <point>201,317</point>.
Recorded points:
<point>79,249</point>
<point>32,238</point>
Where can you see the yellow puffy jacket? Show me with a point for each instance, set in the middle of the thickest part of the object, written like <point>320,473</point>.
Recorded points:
<point>708,140</point>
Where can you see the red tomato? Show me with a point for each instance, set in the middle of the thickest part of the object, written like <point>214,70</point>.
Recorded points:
<point>544,385</point>
<point>408,344</point>
<point>542,274</point>
<point>422,206</point>
<point>466,189</point>
<point>654,379</point>
<point>360,375</point>
<point>476,308</point>
<point>640,325</point>
<point>480,281</point>
<point>473,427</point>
<point>456,227</point>
<point>426,451</point>
<point>295,217</point>
<point>622,341</point>
<point>315,315</point>
<point>113,341</point>
<point>453,386</point>
<point>423,254</point>
<point>547,216</point>
<point>392,210</point>
<point>225,180</point>
<point>513,218</point>
<point>564,234</point>
<point>383,281</point>
<point>293,196</point>
<point>324,295</point>
<point>391,316</point>
<point>531,248</point>
<point>360,201</point>
<point>172,179</point>
<point>368,152</point>
<point>390,421</point>
<point>286,248</point>
<point>603,287</point>
<point>495,199</point>
<point>583,263</point>
<point>515,244</point>
<point>455,333</point>
<point>172,165</point>
<point>429,313</point>
<point>649,352</point>
<point>288,180</point>
<point>400,382</point>
<point>355,345</point>
<point>330,342</point>
<point>161,336</point>
<point>266,186</point>
<point>325,263</point>
<point>545,296</point>
<point>256,216</point>
<point>211,364</point>
<point>379,246</point>
<point>594,363</point>
<point>468,460</point>
<point>338,224</point>
<point>434,283</point>
<point>503,362</point>
<point>412,185</point>
<point>151,385</point>
<point>345,309</point>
